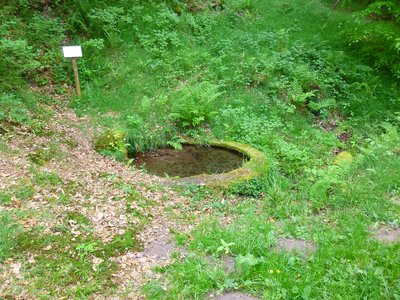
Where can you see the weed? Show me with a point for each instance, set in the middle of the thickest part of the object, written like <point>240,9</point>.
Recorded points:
<point>46,178</point>
<point>113,143</point>
<point>42,156</point>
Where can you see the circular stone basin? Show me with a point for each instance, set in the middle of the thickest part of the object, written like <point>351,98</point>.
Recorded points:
<point>190,161</point>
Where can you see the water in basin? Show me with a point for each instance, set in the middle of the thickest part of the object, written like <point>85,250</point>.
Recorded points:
<point>191,160</point>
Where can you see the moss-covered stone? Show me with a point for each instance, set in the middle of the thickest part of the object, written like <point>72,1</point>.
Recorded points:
<point>343,157</point>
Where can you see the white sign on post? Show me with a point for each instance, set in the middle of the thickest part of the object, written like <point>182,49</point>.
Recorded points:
<point>72,51</point>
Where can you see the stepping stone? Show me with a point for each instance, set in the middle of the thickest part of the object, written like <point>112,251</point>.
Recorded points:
<point>227,263</point>
<point>294,245</point>
<point>160,249</point>
<point>388,235</point>
<point>234,296</point>
<point>396,200</point>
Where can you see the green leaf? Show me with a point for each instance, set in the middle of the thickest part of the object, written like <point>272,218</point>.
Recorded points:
<point>247,260</point>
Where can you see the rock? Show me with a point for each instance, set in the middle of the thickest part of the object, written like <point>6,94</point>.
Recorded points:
<point>227,263</point>
<point>387,235</point>
<point>234,296</point>
<point>161,249</point>
<point>343,157</point>
<point>294,245</point>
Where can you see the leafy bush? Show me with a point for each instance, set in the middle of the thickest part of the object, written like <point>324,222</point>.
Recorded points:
<point>112,142</point>
<point>252,188</point>
<point>17,60</point>
<point>376,43</point>
<point>44,32</point>
<point>382,9</point>
<point>109,21</point>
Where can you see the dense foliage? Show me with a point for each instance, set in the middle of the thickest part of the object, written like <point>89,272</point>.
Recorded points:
<point>296,79</point>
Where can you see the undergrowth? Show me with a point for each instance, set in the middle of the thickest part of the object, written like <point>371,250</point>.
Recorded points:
<point>299,81</point>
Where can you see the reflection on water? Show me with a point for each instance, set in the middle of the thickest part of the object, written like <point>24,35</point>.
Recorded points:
<point>190,161</point>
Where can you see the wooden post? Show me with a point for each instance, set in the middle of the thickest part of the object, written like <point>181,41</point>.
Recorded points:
<point>336,4</point>
<point>76,75</point>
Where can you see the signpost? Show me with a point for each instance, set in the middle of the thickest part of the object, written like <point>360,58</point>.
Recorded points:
<point>74,52</point>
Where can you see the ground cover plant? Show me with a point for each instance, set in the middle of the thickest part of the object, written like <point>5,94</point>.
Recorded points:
<point>312,84</point>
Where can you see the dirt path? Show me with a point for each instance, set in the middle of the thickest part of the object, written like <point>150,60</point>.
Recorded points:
<point>96,187</point>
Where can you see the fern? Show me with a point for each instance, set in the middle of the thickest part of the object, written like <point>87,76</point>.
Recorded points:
<point>194,105</point>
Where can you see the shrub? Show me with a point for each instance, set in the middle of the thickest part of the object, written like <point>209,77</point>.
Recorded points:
<point>112,142</point>
<point>20,111</point>
<point>251,188</point>
<point>376,43</point>
<point>17,60</point>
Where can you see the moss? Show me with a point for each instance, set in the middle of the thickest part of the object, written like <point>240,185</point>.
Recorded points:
<point>256,166</point>
<point>343,157</point>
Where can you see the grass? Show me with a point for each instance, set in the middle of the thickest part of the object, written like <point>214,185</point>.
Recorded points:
<point>283,79</point>
<point>66,261</point>
<point>7,230</point>
<point>63,264</point>
<point>45,154</point>
<point>21,191</point>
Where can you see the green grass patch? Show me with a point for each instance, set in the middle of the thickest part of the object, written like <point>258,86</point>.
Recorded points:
<point>66,259</point>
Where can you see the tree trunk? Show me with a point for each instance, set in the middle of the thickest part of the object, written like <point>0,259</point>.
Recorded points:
<point>336,4</point>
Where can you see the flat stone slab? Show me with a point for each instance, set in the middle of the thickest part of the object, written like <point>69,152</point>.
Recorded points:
<point>234,296</point>
<point>294,245</point>
<point>227,263</point>
<point>160,249</point>
<point>388,235</point>
<point>396,200</point>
